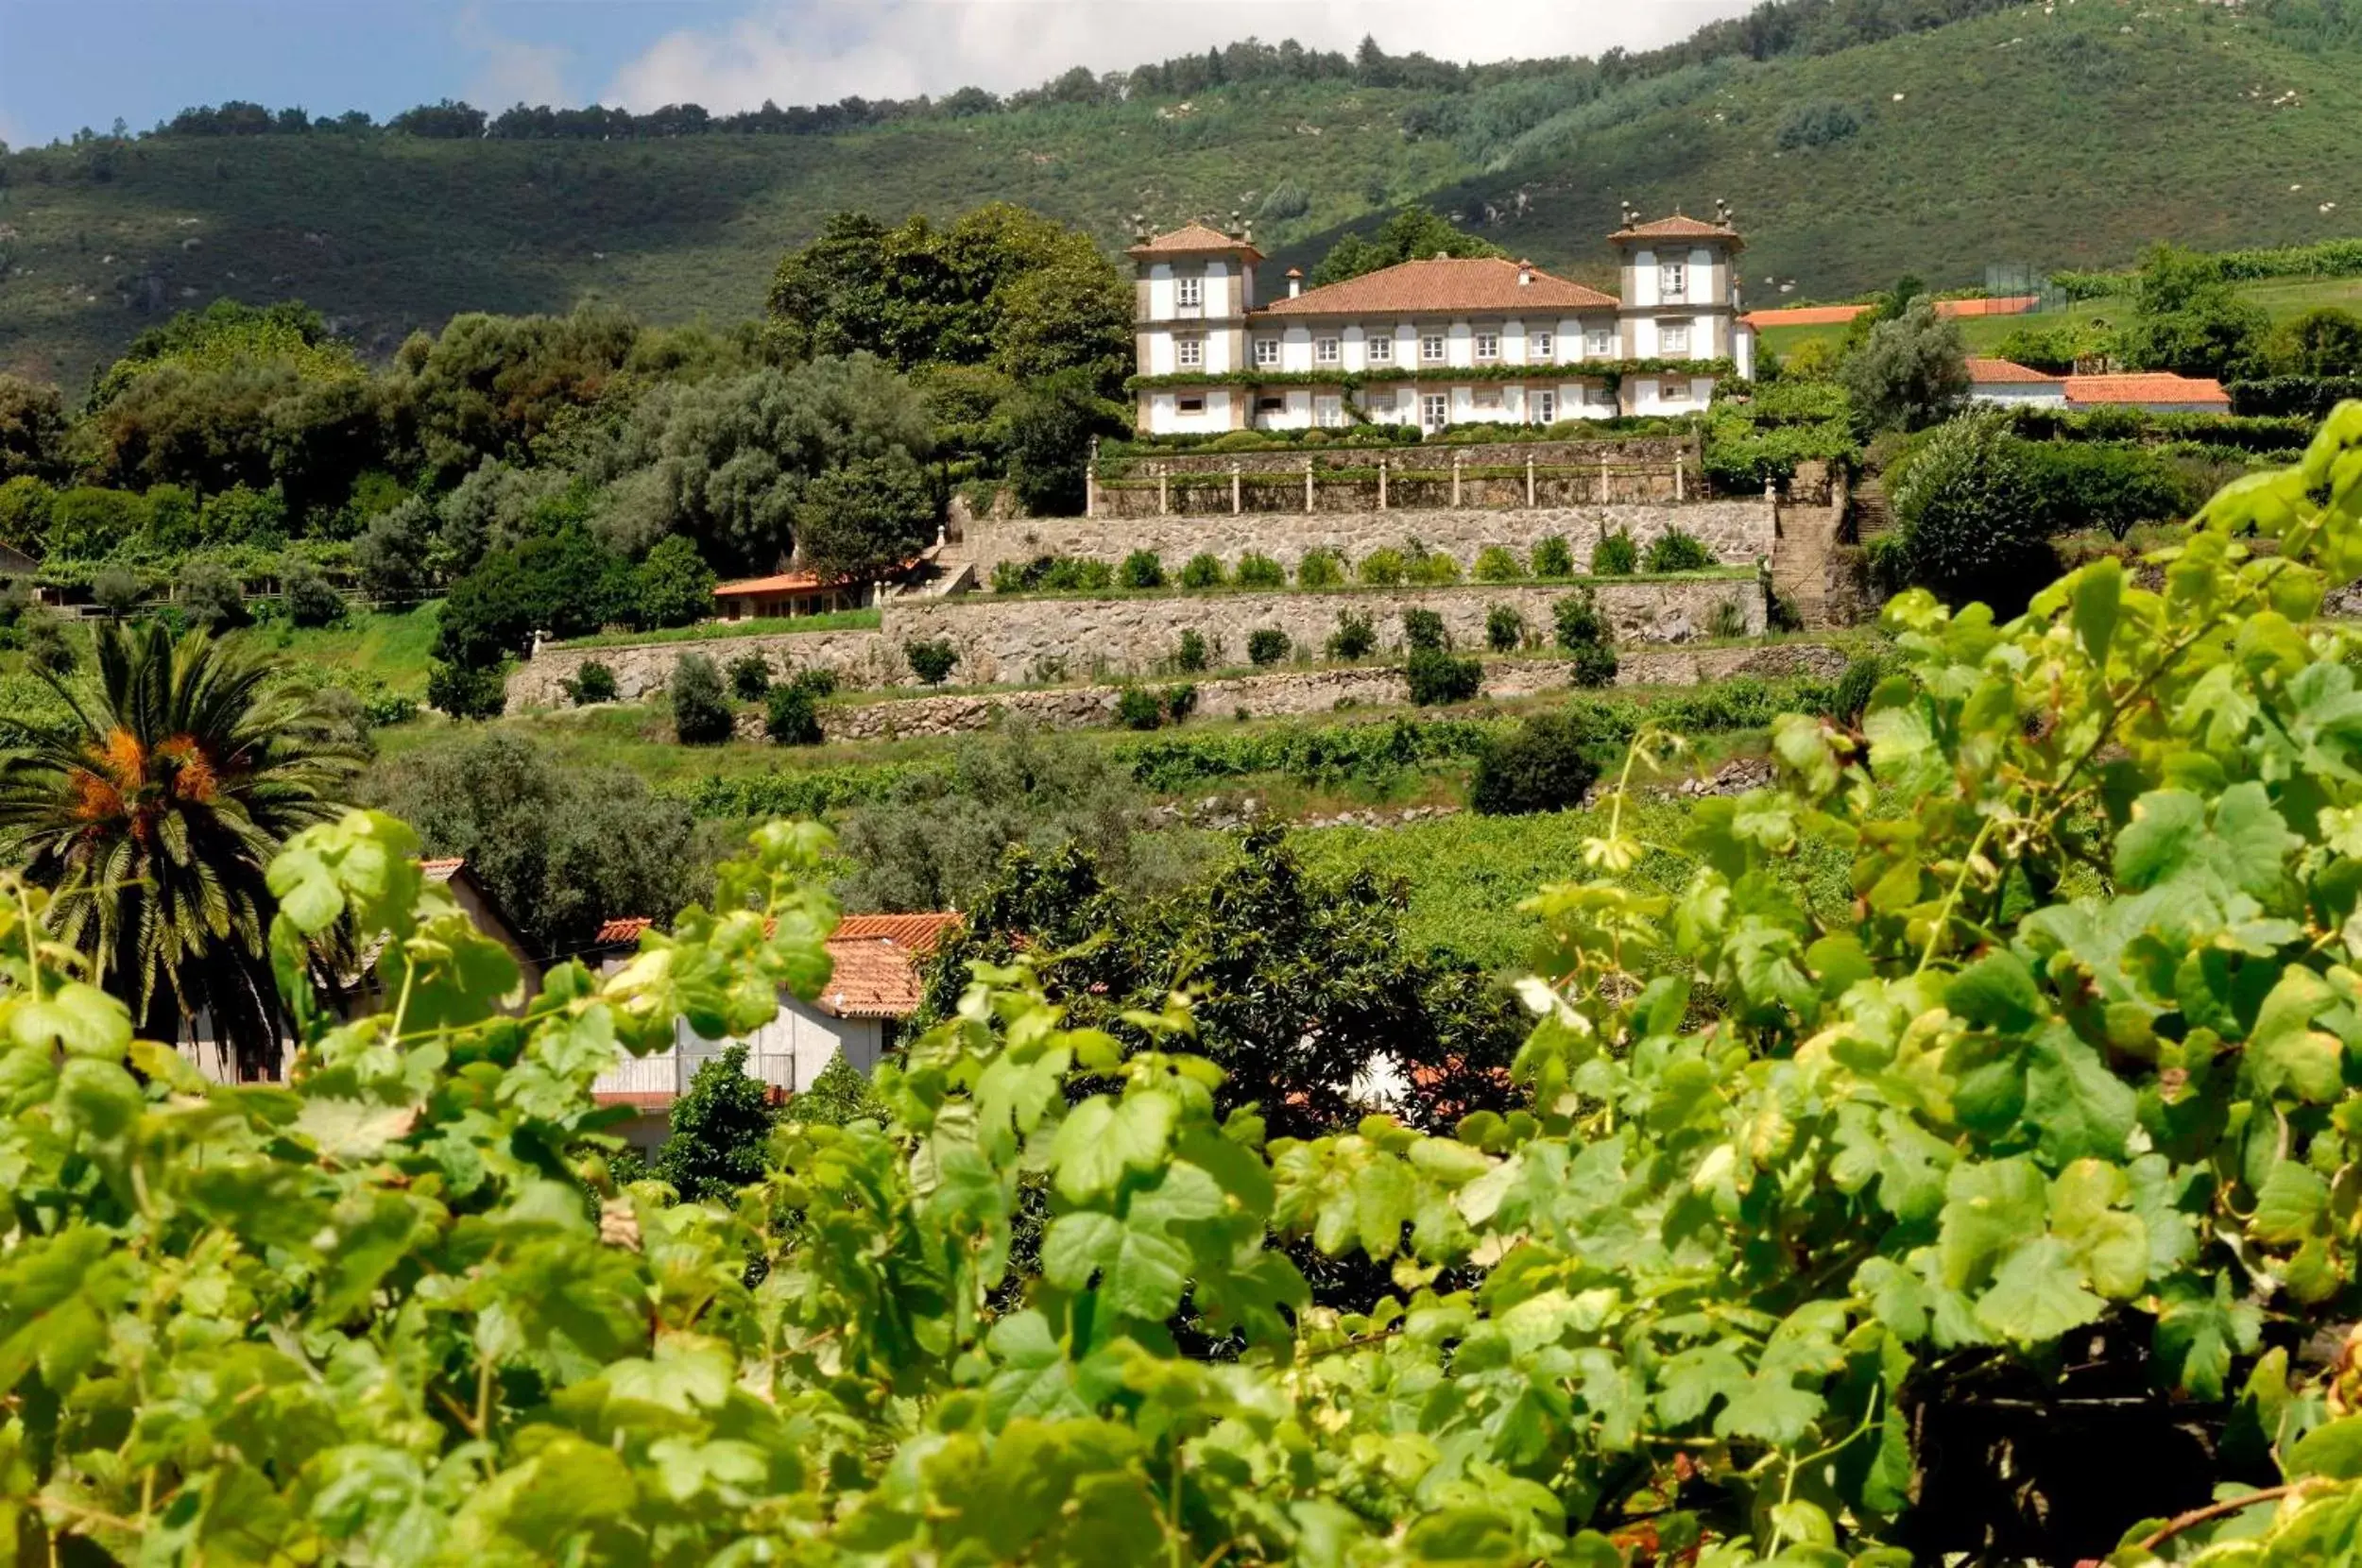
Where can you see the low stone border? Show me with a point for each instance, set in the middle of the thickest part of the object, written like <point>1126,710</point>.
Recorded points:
<point>1295,694</point>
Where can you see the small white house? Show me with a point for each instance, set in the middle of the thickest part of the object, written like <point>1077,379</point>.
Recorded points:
<point>1434,342</point>
<point>876,983</point>
<point>2008,383</point>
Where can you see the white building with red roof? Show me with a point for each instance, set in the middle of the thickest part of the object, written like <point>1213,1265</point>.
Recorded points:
<point>1436,342</point>
<point>2007,383</point>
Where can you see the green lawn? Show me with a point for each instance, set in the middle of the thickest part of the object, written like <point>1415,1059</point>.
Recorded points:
<point>392,647</point>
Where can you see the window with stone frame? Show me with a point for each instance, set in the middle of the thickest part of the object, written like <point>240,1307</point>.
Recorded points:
<point>1599,342</point>
<point>1188,352</point>
<point>1673,280</point>
<point>1381,348</point>
<point>1431,347</point>
<point>1488,347</point>
<point>1188,293</point>
<point>1325,351</point>
<point>1672,391</point>
<point>1266,353</point>
<point>1540,348</point>
<point>1672,338</point>
<point>1544,406</point>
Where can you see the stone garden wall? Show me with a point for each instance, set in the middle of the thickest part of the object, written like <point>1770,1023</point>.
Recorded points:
<point>1005,640</point>
<point>1291,694</point>
<point>1739,532</point>
<point>1011,640</point>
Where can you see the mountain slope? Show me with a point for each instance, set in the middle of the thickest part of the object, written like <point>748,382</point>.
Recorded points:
<point>2071,133</point>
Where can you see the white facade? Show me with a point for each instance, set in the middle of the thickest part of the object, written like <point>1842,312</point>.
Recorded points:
<point>1434,343</point>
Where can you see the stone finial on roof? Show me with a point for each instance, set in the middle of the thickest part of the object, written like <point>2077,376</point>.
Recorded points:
<point>1631,214</point>
<point>1140,228</point>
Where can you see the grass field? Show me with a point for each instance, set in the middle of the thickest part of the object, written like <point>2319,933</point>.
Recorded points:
<point>2053,136</point>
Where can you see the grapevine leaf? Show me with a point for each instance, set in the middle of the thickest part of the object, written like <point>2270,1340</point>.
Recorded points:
<point>2037,1294</point>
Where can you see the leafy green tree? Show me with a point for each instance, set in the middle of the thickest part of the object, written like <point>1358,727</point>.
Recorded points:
<point>497,386</point>
<point>837,1096</point>
<point>750,677</point>
<point>1044,429</point>
<point>465,691</point>
<point>2187,318</point>
<point>1545,764</point>
<point>701,709</point>
<point>559,847</point>
<point>930,661</point>
<point>790,715</point>
<point>674,586</point>
<point>1912,371</point>
<point>25,503</point>
<point>32,432</point>
<point>1413,234</point>
<point>211,594</point>
<point>88,522</point>
<point>719,1129</point>
<point>152,820</point>
<point>391,553</point>
<point>1974,524</point>
<point>864,519</point>
<point>2323,342</point>
<point>1435,677</point>
<point>312,600</point>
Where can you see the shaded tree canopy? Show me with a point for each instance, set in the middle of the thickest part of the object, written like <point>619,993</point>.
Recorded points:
<point>1413,233</point>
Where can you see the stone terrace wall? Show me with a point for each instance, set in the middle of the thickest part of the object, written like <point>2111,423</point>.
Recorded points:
<point>1293,693</point>
<point>1005,641</point>
<point>1012,640</point>
<point>1739,532</point>
<point>642,669</point>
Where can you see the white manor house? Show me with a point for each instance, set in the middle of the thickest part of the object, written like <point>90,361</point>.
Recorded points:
<point>1435,343</point>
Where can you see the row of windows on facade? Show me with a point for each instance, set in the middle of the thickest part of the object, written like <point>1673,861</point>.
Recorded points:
<point>1673,286</point>
<point>1434,408</point>
<point>1672,343</point>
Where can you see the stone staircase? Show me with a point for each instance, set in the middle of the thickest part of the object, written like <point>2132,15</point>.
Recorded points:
<point>948,571</point>
<point>1872,514</point>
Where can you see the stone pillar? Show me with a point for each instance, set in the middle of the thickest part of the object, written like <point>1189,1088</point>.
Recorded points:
<point>1090,481</point>
<point>1308,487</point>
<point>1456,460</point>
<point>1237,497</point>
<point>1680,468</point>
<point>1385,466</point>
<point>1529,480</point>
<point>1602,479</point>
<point>1164,484</point>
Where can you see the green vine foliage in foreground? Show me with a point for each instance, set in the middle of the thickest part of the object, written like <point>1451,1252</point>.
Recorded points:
<point>2084,1057</point>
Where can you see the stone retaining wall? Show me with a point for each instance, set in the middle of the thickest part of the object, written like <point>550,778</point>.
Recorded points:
<point>1011,640</point>
<point>1739,532</point>
<point>1006,640</point>
<point>1293,693</point>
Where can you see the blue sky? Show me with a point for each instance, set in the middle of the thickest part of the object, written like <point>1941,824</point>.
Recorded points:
<point>67,63</point>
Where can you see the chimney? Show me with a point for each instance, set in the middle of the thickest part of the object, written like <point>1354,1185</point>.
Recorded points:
<point>1295,281</point>
<point>1525,273</point>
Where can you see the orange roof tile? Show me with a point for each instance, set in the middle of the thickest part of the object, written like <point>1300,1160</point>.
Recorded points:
<point>2157,386</point>
<point>918,932</point>
<point>1193,239</point>
<point>2000,305</point>
<point>1990,372</point>
<point>1804,315</point>
<point>783,582</point>
<point>1676,228</point>
<point>616,932</point>
<point>1446,283</point>
<point>441,870</point>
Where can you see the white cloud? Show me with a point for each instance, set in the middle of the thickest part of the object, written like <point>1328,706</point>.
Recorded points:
<point>509,70</point>
<point>818,51</point>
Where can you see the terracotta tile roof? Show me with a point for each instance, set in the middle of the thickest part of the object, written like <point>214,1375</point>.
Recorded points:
<point>2002,304</point>
<point>2159,386</point>
<point>1804,315</point>
<point>1457,284</point>
<point>918,932</point>
<point>442,870</point>
<point>638,1099</point>
<point>614,934</point>
<point>784,582</point>
<point>1676,228</point>
<point>1193,239</point>
<point>1993,372</point>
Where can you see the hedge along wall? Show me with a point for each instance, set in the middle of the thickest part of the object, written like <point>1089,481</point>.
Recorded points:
<point>1739,532</point>
<point>1009,639</point>
<point>1662,452</point>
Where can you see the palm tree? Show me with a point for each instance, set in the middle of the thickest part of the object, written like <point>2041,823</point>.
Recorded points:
<point>152,816</point>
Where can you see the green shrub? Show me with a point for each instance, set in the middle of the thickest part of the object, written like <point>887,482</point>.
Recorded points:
<point>839,1095</point>
<point>1436,677</point>
<point>1356,636</point>
<point>1072,575</point>
<point>210,596</point>
<point>1728,620</point>
<point>1258,570</point>
<point>312,600</point>
<point>1136,707</point>
<point>464,691</point>
<point>1674,551</point>
<point>1853,686</point>
<point>1142,568</point>
<point>931,662</point>
<point>750,677</point>
<point>1552,559</point>
<point>1586,635</point>
<point>1974,523</point>
<point>1545,764</point>
<point>673,587</point>
<point>1424,629</point>
<point>701,711</point>
<point>790,717</point>
<point>1320,568</point>
<point>1266,645</point>
<point>1434,568</point>
<point>1497,565</point>
<point>1384,568</point>
<point>1193,654</point>
<point>1504,629</point>
<point>1009,577</point>
<point>1615,555</point>
<point>592,682</point>
<point>1201,571</point>
<point>1180,701</point>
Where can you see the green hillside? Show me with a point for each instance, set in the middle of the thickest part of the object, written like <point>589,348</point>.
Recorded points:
<point>2063,135</point>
